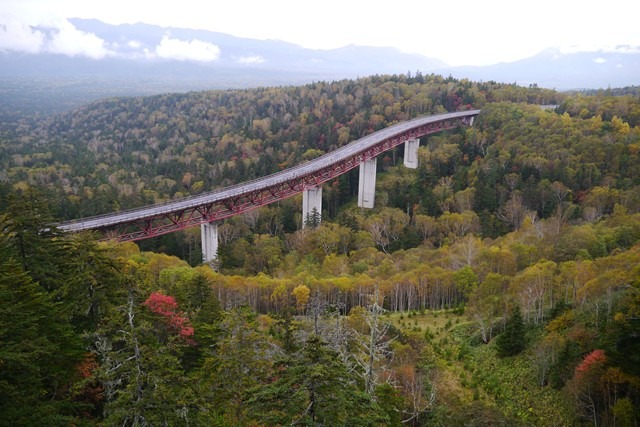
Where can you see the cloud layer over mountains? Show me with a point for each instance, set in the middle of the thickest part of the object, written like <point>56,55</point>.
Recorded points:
<point>62,37</point>
<point>88,47</point>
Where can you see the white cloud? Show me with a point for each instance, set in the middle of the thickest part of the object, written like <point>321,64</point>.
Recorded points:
<point>53,36</point>
<point>134,44</point>
<point>599,60</point>
<point>17,36</point>
<point>249,60</point>
<point>68,40</point>
<point>626,49</point>
<point>194,50</point>
<point>572,23</point>
<point>566,49</point>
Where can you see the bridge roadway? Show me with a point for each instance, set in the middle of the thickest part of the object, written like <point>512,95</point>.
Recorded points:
<point>150,221</point>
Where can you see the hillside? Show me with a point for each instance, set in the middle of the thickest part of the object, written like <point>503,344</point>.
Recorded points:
<point>497,284</point>
<point>134,151</point>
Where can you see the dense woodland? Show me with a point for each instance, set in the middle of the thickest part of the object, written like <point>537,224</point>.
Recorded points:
<point>497,284</point>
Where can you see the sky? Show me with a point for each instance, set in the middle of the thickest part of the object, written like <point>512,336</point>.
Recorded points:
<point>462,32</point>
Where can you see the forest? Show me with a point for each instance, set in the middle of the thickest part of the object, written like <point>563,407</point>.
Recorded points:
<point>496,284</point>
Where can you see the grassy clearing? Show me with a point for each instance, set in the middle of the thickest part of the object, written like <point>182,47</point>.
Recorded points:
<point>474,382</point>
<point>436,322</point>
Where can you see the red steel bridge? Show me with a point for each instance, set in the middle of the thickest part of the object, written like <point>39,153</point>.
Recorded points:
<point>151,221</point>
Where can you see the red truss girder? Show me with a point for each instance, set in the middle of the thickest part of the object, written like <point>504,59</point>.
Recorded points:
<point>180,219</point>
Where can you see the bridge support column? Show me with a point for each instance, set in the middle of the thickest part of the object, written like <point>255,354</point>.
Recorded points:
<point>209,234</point>
<point>311,199</point>
<point>411,153</point>
<point>367,184</point>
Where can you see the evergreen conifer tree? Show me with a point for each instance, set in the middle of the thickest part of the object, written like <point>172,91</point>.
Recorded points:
<point>39,353</point>
<point>313,219</point>
<point>512,341</point>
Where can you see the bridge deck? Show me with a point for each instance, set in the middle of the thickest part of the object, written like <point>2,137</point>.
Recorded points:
<point>315,166</point>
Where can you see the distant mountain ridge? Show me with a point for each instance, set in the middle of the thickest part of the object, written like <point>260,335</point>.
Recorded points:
<point>143,59</point>
<point>552,68</point>
<point>170,51</point>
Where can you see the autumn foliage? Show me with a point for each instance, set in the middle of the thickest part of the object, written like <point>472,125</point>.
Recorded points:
<point>167,308</point>
<point>91,392</point>
<point>592,361</point>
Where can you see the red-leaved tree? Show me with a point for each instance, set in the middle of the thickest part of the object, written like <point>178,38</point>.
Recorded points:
<point>167,308</point>
<point>593,361</point>
<point>586,385</point>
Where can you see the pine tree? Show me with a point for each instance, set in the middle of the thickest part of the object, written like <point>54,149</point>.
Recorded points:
<point>39,353</point>
<point>313,387</point>
<point>32,240</point>
<point>240,360</point>
<point>313,219</point>
<point>512,341</point>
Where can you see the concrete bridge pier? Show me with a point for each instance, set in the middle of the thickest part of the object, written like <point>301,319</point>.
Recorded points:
<point>209,234</point>
<point>311,199</point>
<point>411,153</point>
<point>367,184</point>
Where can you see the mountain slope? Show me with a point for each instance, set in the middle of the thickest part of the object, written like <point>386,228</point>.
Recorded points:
<point>142,59</point>
<point>554,69</point>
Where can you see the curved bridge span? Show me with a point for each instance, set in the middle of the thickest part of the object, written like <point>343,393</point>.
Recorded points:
<point>151,221</point>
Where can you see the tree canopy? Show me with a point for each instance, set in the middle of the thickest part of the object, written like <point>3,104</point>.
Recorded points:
<point>498,282</point>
